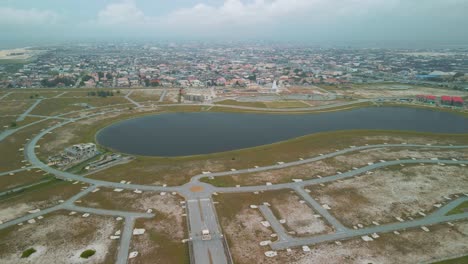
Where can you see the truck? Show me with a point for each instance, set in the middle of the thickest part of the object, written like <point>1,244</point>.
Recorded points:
<point>206,234</point>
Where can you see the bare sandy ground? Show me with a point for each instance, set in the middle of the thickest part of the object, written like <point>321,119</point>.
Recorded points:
<point>60,238</point>
<point>300,218</point>
<point>374,155</point>
<point>376,91</point>
<point>390,193</point>
<point>162,241</point>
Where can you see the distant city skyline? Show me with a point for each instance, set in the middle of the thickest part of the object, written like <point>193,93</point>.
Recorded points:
<point>323,22</point>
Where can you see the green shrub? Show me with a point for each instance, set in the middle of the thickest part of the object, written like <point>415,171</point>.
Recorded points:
<point>28,252</point>
<point>87,253</point>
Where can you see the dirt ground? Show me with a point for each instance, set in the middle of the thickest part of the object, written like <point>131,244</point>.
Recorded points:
<point>331,166</point>
<point>242,224</point>
<point>130,201</point>
<point>362,158</point>
<point>300,218</point>
<point>411,246</point>
<point>391,192</point>
<point>162,240</point>
<point>395,90</point>
<point>42,196</point>
<point>60,238</point>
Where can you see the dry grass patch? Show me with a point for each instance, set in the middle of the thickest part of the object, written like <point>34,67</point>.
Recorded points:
<point>41,196</point>
<point>391,192</point>
<point>162,241</point>
<point>130,201</point>
<point>59,238</point>
<point>242,226</point>
<point>11,157</point>
<point>21,178</point>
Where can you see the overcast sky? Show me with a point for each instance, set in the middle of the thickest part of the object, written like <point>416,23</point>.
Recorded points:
<point>313,21</point>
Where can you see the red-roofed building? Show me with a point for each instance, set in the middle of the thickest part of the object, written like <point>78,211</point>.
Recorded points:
<point>430,99</point>
<point>457,101</point>
<point>446,100</point>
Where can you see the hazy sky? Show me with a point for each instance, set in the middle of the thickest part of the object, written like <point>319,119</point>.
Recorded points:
<point>315,21</point>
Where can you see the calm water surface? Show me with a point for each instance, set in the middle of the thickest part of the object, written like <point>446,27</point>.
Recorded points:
<point>180,134</point>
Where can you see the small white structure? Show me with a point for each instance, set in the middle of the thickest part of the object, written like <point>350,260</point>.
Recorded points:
<point>367,238</point>
<point>306,248</point>
<point>138,231</point>
<point>133,254</point>
<point>271,254</point>
<point>274,87</point>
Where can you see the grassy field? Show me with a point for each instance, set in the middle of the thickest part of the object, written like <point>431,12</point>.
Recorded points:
<point>462,208</point>
<point>144,96</point>
<point>237,103</point>
<point>19,179</point>
<point>11,156</point>
<point>178,170</point>
<point>460,260</point>
<point>286,104</point>
<point>56,106</point>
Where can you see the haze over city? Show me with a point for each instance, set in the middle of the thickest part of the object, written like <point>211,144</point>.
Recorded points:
<point>410,23</point>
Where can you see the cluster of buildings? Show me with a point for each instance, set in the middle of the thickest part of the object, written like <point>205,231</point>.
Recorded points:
<point>241,66</point>
<point>443,100</point>
<point>73,155</point>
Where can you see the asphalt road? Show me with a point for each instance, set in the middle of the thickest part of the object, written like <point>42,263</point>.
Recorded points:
<point>23,115</point>
<point>202,216</point>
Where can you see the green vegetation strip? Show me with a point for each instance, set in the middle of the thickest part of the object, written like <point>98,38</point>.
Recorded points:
<point>28,252</point>
<point>461,260</point>
<point>462,208</point>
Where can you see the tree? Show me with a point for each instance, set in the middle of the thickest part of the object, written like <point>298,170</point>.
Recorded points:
<point>13,124</point>
<point>109,76</point>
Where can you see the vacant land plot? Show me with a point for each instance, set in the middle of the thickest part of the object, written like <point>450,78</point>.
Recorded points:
<point>390,193</point>
<point>146,95</point>
<point>237,103</point>
<point>21,178</point>
<point>306,171</point>
<point>286,104</point>
<point>331,166</point>
<point>14,108</point>
<point>411,246</point>
<point>60,238</point>
<point>39,197</point>
<point>242,224</point>
<point>390,90</point>
<point>362,158</point>
<point>33,94</point>
<point>55,106</point>
<point>162,241</point>
<point>10,146</point>
<point>130,201</point>
<point>178,170</point>
<point>301,220</point>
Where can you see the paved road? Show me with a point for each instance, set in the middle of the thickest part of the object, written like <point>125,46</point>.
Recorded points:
<point>5,95</point>
<point>23,115</point>
<point>22,188</point>
<point>15,171</point>
<point>125,240</point>
<point>202,216</point>
<point>131,100</point>
<point>318,208</point>
<point>434,218</point>
<point>275,224</point>
<point>163,95</point>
